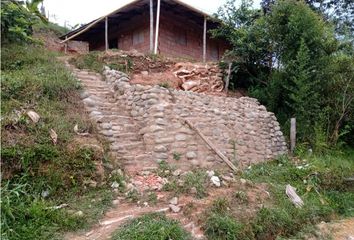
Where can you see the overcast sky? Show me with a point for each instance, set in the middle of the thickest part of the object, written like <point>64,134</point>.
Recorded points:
<point>82,11</point>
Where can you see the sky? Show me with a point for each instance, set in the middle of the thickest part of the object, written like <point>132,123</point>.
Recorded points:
<point>72,12</point>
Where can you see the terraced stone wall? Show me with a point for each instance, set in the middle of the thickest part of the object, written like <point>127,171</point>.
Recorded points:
<point>240,128</point>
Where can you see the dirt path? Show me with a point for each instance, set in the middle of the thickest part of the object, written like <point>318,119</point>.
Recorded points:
<point>338,230</point>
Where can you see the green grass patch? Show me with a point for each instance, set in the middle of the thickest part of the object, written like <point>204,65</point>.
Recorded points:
<point>36,174</point>
<point>151,226</point>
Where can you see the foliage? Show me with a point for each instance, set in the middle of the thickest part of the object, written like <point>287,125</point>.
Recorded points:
<point>36,174</point>
<point>17,20</point>
<point>288,59</point>
<point>151,226</point>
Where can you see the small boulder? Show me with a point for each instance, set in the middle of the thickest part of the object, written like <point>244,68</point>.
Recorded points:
<point>216,181</point>
<point>174,201</point>
<point>174,208</point>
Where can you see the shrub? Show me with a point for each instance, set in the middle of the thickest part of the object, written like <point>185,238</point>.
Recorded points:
<point>151,226</point>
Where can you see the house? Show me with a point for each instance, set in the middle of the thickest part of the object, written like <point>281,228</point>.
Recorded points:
<point>167,27</point>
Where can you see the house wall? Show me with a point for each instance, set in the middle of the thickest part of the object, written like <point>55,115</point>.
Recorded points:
<point>178,37</point>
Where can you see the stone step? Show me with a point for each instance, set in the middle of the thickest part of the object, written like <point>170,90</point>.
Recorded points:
<point>127,146</point>
<point>127,136</point>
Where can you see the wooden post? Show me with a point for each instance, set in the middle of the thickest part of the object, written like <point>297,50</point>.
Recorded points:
<point>204,39</point>
<point>151,26</point>
<point>228,77</point>
<point>157,26</point>
<point>106,34</point>
<point>292,134</point>
<point>66,46</point>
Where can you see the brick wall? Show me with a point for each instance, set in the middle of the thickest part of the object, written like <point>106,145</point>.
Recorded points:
<point>178,37</point>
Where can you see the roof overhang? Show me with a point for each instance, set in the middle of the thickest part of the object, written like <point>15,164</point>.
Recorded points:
<point>123,12</point>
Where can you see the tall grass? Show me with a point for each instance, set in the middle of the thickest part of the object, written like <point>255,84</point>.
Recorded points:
<point>33,79</point>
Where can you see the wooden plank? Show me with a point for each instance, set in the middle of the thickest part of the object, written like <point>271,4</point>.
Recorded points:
<point>66,46</point>
<point>106,34</point>
<point>204,39</point>
<point>157,26</point>
<point>212,146</point>
<point>151,26</point>
<point>292,134</point>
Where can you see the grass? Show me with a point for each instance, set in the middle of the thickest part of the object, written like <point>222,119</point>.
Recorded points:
<point>194,182</point>
<point>33,79</point>
<point>320,182</point>
<point>151,226</point>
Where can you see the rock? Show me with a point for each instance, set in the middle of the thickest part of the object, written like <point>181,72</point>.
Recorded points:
<point>144,73</point>
<point>79,214</point>
<point>53,136</point>
<point>350,238</point>
<point>174,201</point>
<point>45,193</point>
<point>227,178</point>
<point>160,148</point>
<point>191,155</point>
<point>33,116</point>
<point>193,190</point>
<point>177,172</point>
<point>89,102</point>
<point>210,173</point>
<point>117,172</point>
<point>216,181</point>
<point>115,185</point>
<point>181,137</point>
<point>243,181</point>
<point>106,126</point>
<point>174,208</point>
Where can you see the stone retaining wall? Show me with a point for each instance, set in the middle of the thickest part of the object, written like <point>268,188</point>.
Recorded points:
<point>241,128</point>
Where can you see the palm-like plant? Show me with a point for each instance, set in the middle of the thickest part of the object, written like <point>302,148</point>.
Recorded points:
<point>32,6</point>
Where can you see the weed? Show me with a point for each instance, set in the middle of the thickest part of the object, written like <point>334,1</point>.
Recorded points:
<point>164,169</point>
<point>196,179</point>
<point>133,195</point>
<point>224,227</point>
<point>220,206</point>
<point>152,198</point>
<point>151,226</point>
<point>241,196</point>
<point>176,156</point>
<point>165,85</point>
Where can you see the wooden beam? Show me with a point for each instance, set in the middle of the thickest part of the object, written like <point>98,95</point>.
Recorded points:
<point>157,26</point>
<point>151,26</point>
<point>66,46</point>
<point>228,78</point>
<point>106,34</point>
<point>204,39</point>
<point>292,135</point>
<point>212,146</point>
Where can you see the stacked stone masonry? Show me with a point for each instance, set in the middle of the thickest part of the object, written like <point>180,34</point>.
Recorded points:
<point>241,129</point>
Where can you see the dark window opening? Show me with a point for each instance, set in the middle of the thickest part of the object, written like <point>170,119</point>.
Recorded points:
<point>113,43</point>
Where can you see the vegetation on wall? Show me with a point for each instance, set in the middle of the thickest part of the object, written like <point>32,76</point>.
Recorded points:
<point>290,57</point>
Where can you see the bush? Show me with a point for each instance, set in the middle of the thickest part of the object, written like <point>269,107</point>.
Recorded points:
<point>151,226</point>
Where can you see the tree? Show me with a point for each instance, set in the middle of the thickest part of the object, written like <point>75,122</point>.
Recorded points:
<point>293,64</point>
<point>17,20</point>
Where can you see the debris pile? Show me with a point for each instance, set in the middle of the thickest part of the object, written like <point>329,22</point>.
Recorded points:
<point>200,77</point>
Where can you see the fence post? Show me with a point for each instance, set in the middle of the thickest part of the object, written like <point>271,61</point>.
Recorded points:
<point>292,134</point>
